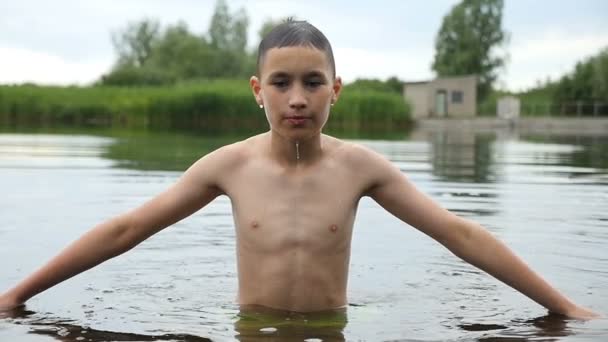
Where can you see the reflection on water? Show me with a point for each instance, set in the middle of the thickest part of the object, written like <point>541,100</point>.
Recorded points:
<point>252,323</point>
<point>69,331</point>
<point>462,156</point>
<point>549,326</point>
<point>545,196</point>
<point>264,324</point>
<point>256,323</point>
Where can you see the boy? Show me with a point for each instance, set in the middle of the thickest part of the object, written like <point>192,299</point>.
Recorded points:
<point>294,193</point>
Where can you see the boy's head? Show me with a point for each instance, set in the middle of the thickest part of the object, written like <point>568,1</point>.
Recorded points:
<point>296,82</point>
<point>296,33</point>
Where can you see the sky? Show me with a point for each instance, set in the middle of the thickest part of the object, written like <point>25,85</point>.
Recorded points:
<point>66,42</point>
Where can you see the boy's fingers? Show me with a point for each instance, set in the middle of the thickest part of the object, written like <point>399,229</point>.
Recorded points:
<point>583,313</point>
<point>13,311</point>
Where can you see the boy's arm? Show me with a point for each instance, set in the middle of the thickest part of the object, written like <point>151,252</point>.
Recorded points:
<point>196,188</point>
<point>466,239</point>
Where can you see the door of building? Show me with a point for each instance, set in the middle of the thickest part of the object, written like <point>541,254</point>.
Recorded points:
<point>441,103</point>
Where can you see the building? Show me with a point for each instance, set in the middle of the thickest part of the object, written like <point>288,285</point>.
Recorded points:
<point>443,97</point>
<point>508,107</point>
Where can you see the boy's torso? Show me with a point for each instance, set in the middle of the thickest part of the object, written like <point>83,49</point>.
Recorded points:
<point>294,228</point>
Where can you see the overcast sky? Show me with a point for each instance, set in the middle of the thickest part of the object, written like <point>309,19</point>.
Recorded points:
<point>68,41</point>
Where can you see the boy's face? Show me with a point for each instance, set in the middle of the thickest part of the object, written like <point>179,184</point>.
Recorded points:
<point>297,88</point>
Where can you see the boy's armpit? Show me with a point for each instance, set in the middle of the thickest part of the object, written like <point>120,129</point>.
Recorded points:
<point>198,186</point>
<point>375,169</point>
<point>398,195</point>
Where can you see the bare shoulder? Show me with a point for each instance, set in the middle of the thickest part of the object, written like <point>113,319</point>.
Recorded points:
<point>356,155</point>
<point>369,168</point>
<point>232,155</point>
<point>218,166</point>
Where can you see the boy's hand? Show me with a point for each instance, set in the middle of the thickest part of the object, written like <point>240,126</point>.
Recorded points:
<point>579,312</point>
<point>7,303</point>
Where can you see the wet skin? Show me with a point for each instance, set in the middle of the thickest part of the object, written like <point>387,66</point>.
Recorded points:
<point>294,207</point>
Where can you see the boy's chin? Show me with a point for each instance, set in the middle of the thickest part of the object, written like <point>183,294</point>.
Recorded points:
<point>298,134</point>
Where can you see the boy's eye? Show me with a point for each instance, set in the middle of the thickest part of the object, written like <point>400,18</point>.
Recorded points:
<point>280,83</point>
<point>313,83</point>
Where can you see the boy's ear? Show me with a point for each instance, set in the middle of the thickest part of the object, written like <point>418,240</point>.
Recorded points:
<point>337,88</point>
<point>256,88</point>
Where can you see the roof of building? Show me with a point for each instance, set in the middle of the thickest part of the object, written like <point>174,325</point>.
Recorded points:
<point>439,78</point>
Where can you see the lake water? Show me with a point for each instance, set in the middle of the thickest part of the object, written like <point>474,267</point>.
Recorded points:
<point>545,196</point>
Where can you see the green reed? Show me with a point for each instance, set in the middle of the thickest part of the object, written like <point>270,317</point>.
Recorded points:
<point>208,105</point>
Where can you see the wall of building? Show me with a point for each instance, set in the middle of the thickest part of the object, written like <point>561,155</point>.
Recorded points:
<point>423,97</point>
<point>468,88</point>
<point>417,95</point>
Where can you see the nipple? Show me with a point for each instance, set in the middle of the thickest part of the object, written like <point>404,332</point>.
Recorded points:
<point>333,228</point>
<point>297,150</point>
<point>255,224</point>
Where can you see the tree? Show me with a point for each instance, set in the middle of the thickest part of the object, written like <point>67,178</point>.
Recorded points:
<point>238,37</point>
<point>137,76</point>
<point>219,29</point>
<point>391,85</point>
<point>134,45</point>
<point>184,54</point>
<point>151,57</point>
<point>228,35</point>
<point>468,43</point>
<point>588,81</point>
<point>228,32</point>
<point>600,75</point>
<point>395,84</point>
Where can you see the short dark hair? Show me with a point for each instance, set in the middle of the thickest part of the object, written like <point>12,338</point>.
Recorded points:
<point>296,33</point>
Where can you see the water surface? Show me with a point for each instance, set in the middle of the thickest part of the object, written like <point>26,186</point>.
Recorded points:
<point>546,197</point>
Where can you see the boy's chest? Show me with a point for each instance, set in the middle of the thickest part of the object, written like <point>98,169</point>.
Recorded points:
<point>314,209</point>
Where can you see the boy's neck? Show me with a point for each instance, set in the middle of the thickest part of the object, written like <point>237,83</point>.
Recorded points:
<point>294,152</point>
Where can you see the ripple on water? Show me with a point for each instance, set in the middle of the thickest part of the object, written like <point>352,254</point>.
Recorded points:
<point>402,285</point>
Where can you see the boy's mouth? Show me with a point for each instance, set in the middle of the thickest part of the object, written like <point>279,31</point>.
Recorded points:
<point>297,119</point>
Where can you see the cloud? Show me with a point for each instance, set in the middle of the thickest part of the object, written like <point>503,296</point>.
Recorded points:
<point>410,65</point>
<point>22,65</point>
<point>68,41</point>
<point>550,54</point>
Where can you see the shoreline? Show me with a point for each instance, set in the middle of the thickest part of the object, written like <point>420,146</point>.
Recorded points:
<point>523,125</point>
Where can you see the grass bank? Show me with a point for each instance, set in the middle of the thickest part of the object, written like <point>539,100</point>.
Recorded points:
<point>207,106</point>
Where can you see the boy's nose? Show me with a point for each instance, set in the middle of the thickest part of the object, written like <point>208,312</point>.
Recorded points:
<point>297,99</point>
